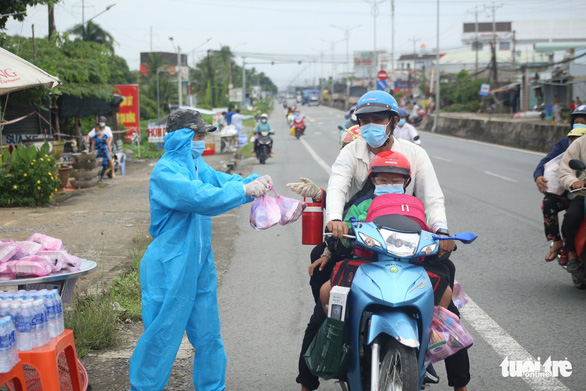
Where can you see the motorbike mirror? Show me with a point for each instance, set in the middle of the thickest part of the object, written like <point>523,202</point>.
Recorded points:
<point>340,128</point>
<point>576,164</point>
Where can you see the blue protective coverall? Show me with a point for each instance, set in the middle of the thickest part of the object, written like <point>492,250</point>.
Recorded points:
<point>177,272</point>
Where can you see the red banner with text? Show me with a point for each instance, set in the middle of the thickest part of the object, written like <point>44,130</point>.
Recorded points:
<point>129,114</point>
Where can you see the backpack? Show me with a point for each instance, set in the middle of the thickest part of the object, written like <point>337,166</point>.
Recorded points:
<point>398,204</point>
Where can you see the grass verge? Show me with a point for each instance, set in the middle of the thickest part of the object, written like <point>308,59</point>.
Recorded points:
<point>94,318</point>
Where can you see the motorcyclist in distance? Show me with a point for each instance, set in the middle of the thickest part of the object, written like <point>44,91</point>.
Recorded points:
<point>263,126</point>
<point>405,130</point>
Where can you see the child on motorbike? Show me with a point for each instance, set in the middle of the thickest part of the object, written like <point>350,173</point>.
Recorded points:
<point>390,172</point>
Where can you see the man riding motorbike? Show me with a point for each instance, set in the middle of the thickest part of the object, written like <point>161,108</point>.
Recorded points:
<point>263,126</point>
<point>571,180</point>
<point>405,130</point>
<point>377,113</point>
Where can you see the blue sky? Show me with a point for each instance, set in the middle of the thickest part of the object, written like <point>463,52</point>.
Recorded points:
<point>292,27</point>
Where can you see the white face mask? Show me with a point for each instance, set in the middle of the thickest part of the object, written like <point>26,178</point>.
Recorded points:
<point>101,124</point>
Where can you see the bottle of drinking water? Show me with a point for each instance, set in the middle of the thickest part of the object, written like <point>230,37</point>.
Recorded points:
<point>60,322</point>
<point>41,310</point>
<point>12,337</point>
<point>6,360</point>
<point>51,314</point>
<point>24,337</point>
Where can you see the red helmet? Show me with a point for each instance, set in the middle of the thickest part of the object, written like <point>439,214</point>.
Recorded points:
<point>391,162</point>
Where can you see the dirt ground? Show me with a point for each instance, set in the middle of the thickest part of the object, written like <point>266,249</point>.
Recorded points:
<point>100,224</point>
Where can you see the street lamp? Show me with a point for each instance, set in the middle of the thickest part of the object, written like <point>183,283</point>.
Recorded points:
<point>159,70</point>
<point>83,23</point>
<point>179,89</point>
<point>375,4</point>
<point>347,38</point>
<point>333,43</point>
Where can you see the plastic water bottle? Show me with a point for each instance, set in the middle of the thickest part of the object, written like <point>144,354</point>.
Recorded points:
<point>41,310</point>
<point>5,308</point>
<point>51,314</point>
<point>24,337</point>
<point>12,337</point>
<point>58,311</point>
<point>6,361</point>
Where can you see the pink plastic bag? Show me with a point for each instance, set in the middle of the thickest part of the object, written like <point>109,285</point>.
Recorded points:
<point>58,259</point>
<point>291,209</point>
<point>7,251</point>
<point>28,268</point>
<point>53,262</point>
<point>447,335</point>
<point>458,296</point>
<point>264,213</point>
<point>48,243</point>
<point>73,263</point>
<point>26,249</point>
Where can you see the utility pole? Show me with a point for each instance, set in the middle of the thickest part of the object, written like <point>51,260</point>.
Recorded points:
<point>392,35</point>
<point>437,72</point>
<point>374,12</point>
<point>347,38</point>
<point>51,19</point>
<point>243,82</point>
<point>179,75</point>
<point>414,40</point>
<point>494,8</point>
<point>151,39</point>
<point>476,12</point>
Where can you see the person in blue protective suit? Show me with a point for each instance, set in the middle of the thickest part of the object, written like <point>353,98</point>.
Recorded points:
<point>177,273</point>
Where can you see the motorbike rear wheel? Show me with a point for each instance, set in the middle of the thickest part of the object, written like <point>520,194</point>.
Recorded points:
<point>398,370</point>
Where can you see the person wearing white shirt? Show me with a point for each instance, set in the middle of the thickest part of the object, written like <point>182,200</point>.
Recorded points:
<point>101,127</point>
<point>238,118</point>
<point>405,130</point>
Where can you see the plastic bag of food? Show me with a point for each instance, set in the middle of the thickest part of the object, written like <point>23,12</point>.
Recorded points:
<point>264,213</point>
<point>447,335</point>
<point>459,298</point>
<point>7,251</point>
<point>28,268</point>
<point>26,249</point>
<point>48,243</point>
<point>291,209</point>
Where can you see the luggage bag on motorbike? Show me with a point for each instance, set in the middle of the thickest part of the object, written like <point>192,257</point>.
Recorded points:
<point>329,353</point>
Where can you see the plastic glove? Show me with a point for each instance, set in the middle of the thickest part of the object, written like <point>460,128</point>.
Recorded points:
<point>266,180</point>
<point>255,189</point>
<point>306,188</point>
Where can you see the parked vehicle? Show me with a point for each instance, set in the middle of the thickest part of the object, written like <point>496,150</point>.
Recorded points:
<point>354,94</point>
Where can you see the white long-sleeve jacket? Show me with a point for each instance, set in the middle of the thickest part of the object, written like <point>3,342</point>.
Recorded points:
<point>350,172</point>
<point>567,176</point>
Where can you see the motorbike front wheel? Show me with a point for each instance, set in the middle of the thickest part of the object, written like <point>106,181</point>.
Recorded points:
<point>398,370</point>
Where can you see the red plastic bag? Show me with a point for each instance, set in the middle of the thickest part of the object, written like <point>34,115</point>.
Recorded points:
<point>264,213</point>
<point>447,335</point>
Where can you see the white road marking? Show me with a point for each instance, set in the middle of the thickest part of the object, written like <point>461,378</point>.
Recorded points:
<point>316,157</point>
<point>482,143</point>
<point>500,176</point>
<point>505,346</point>
<point>441,158</point>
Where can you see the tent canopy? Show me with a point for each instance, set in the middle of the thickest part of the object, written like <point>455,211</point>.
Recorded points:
<point>19,74</point>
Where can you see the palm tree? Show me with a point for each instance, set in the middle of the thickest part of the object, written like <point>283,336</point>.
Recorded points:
<point>92,32</point>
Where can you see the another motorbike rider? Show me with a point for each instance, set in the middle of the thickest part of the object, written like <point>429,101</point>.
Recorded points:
<point>390,172</point>
<point>572,180</point>
<point>263,126</point>
<point>405,130</point>
<point>177,272</point>
<point>553,204</point>
<point>377,113</point>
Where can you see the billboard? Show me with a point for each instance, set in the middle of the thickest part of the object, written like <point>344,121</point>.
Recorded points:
<point>129,113</point>
<point>156,132</point>
<point>235,95</point>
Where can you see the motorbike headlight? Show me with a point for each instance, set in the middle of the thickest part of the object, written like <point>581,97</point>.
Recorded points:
<point>370,242</point>
<point>399,243</point>
<point>428,249</point>
<point>264,133</point>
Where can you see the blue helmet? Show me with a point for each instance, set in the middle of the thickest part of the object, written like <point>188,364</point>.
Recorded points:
<point>403,113</point>
<point>377,102</point>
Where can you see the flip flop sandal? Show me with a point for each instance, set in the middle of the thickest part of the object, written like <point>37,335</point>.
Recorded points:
<point>552,254</point>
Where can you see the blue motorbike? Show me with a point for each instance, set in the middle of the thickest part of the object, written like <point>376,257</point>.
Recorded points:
<point>390,305</point>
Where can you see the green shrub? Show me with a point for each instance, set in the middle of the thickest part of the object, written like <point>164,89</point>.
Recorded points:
<point>28,177</point>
